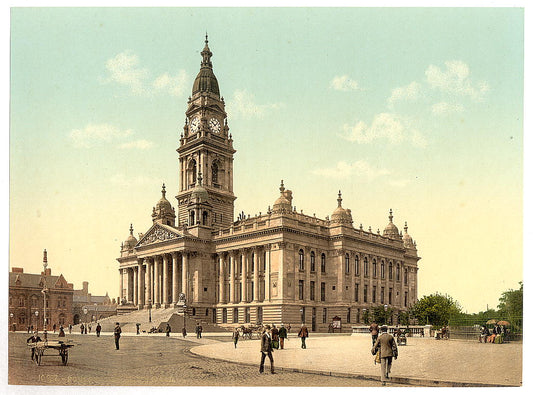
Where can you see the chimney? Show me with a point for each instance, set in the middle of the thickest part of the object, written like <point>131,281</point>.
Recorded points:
<point>86,287</point>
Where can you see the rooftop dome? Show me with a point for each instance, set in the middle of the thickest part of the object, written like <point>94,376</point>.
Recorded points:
<point>407,240</point>
<point>391,231</point>
<point>205,80</point>
<point>284,202</point>
<point>131,241</point>
<point>199,193</point>
<point>341,215</point>
<point>163,205</point>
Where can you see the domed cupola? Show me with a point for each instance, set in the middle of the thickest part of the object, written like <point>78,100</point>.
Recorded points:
<point>407,240</point>
<point>130,242</point>
<point>284,203</point>
<point>199,194</point>
<point>391,231</point>
<point>205,80</point>
<point>163,212</point>
<point>341,215</point>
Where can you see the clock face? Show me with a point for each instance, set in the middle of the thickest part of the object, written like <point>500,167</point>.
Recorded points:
<point>195,125</point>
<point>214,125</point>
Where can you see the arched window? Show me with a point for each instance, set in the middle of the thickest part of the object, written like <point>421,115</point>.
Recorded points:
<point>253,264</point>
<point>205,216</point>
<point>347,263</point>
<point>365,269</point>
<point>405,276</point>
<point>301,260</point>
<point>390,270</point>
<point>374,268</point>
<point>313,268</point>
<point>192,221</point>
<point>191,173</point>
<point>323,263</point>
<point>357,265</point>
<point>21,301</point>
<point>382,268</point>
<point>214,172</point>
<point>397,272</point>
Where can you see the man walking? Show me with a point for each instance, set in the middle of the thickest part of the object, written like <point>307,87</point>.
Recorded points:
<point>198,330</point>
<point>69,329</point>
<point>235,336</point>
<point>266,350</point>
<point>168,329</point>
<point>282,336</point>
<point>138,326</point>
<point>98,329</point>
<point>303,334</point>
<point>117,333</point>
<point>386,345</point>
<point>374,331</point>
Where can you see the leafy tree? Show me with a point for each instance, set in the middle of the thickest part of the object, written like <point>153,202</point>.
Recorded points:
<point>511,306</point>
<point>382,315</point>
<point>435,309</point>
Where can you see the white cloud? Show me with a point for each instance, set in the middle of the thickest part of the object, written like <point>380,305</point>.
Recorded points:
<point>123,181</point>
<point>361,168</point>
<point>443,108</point>
<point>93,134</point>
<point>455,80</point>
<point>344,83</point>
<point>137,144</point>
<point>125,69</point>
<point>242,105</point>
<point>410,92</point>
<point>387,126</point>
<point>399,183</point>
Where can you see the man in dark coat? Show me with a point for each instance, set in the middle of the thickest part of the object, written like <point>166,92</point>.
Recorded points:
<point>98,329</point>
<point>82,328</point>
<point>374,331</point>
<point>168,329</point>
<point>34,339</point>
<point>303,334</point>
<point>198,330</point>
<point>388,349</point>
<point>117,333</point>
<point>274,333</point>
<point>266,350</point>
<point>282,336</point>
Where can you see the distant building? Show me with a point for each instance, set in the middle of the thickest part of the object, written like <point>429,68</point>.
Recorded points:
<point>27,299</point>
<point>97,307</point>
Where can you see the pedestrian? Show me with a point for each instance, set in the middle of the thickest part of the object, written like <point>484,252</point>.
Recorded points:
<point>303,334</point>
<point>45,335</point>
<point>82,328</point>
<point>235,336</point>
<point>483,333</point>
<point>168,329</point>
<point>184,332</point>
<point>138,326</point>
<point>198,330</point>
<point>374,331</point>
<point>98,329</point>
<point>288,329</point>
<point>28,329</point>
<point>54,327</point>
<point>61,331</point>
<point>34,339</point>
<point>69,329</point>
<point>266,350</point>
<point>386,346</point>
<point>90,327</point>
<point>117,333</point>
<point>274,333</point>
<point>282,336</point>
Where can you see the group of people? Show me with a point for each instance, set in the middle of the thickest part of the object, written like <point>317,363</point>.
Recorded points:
<point>497,335</point>
<point>84,327</point>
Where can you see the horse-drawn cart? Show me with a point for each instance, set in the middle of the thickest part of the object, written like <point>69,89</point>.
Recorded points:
<point>41,347</point>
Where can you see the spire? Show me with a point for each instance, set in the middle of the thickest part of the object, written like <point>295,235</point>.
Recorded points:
<point>339,199</point>
<point>206,54</point>
<point>281,187</point>
<point>131,228</point>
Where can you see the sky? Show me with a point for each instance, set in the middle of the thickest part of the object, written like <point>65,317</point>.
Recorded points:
<point>418,110</point>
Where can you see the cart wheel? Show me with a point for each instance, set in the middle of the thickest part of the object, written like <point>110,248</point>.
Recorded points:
<point>64,357</point>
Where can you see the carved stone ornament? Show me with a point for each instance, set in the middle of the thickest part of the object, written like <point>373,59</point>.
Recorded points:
<point>158,235</point>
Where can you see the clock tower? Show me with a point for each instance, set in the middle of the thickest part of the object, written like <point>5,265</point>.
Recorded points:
<point>206,148</point>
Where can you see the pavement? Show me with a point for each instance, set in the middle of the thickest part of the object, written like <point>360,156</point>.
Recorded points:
<point>422,362</point>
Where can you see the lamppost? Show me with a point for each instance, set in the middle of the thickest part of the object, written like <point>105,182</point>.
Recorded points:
<point>85,312</point>
<point>11,320</point>
<point>386,307</point>
<point>36,319</point>
<point>184,314</point>
<point>149,310</point>
<point>95,312</point>
<point>302,318</point>
<point>45,264</point>
<point>365,316</point>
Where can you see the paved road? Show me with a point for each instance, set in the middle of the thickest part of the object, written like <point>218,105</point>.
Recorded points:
<point>149,360</point>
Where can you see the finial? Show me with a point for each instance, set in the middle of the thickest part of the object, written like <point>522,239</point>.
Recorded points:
<point>378,231</point>
<point>45,259</point>
<point>200,178</point>
<point>206,40</point>
<point>281,187</point>
<point>390,216</point>
<point>131,229</point>
<point>361,226</point>
<point>339,199</point>
<point>163,191</point>
<point>370,229</point>
<point>405,227</point>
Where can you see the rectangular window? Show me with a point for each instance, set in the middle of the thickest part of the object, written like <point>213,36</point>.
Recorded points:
<point>240,292</point>
<point>300,289</point>
<point>382,295</point>
<point>322,292</point>
<point>348,315</point>
<point>405,300</point>
<point>365,294</point>
<point>374,294</point>
<point>312,290</point>
<point>236,315</point>
<point>324,315</point>
<point>390,295</point>
<point>405,276</point>
<point>356,292</point>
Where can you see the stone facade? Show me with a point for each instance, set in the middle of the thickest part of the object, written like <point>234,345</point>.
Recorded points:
<point>280,266</point>
<point>98,307</point>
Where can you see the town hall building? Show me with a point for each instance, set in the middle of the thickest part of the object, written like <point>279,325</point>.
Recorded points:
<point>278,267</point>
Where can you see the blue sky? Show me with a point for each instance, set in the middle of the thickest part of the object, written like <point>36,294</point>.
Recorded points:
<point>418,110</point>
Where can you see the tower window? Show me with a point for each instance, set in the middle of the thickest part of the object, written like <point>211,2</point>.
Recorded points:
<point>323,263</point>
<point>192,221</point>
<point>356,265</point>
<point>301,260</point>
<point>205,216</point>
<point>347,263</point>
<point>313,261</point>
<point>214,173</point>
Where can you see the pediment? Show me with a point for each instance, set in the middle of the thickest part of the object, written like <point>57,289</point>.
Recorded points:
<point>157,234</point>
<point>61,282</point>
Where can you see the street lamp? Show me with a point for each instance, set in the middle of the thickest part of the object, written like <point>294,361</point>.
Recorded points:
<point>302,318</point>
<point>95,312</point>
<point>36,319</point>
<point>85,312</point>
<point>149,310</point>
<point>184,314</point>
<point>11,320</point>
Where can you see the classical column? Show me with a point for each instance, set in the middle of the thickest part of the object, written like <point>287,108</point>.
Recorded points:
<point>148,282</point>
<point>307,283</point>
<point>157,289</point>
<point>256,262</point>
<point>267,273</point>
<point>165,280</point>
<point>121,289</point>
<point>175,290</point>
<point>184,272</point>
<point>231,271</point>
<point>135,301</point>
<point>140,284</point>
<point>221,278</point>
<point>244,278</point>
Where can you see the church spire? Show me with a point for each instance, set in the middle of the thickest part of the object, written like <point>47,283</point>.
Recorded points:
<point>206,54</point>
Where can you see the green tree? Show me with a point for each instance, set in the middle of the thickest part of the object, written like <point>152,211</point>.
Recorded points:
<point>435,309</point>
<point>381,315</point>
<point>511,306</point>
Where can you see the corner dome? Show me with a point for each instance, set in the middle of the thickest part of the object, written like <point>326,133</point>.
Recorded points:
<point>391,231</point>
<point>407,239</point>
<point>131,241</point>
<point>283,204</point>
<point>341,215</point>
<point>205,80</point>
<point>163,205</point>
